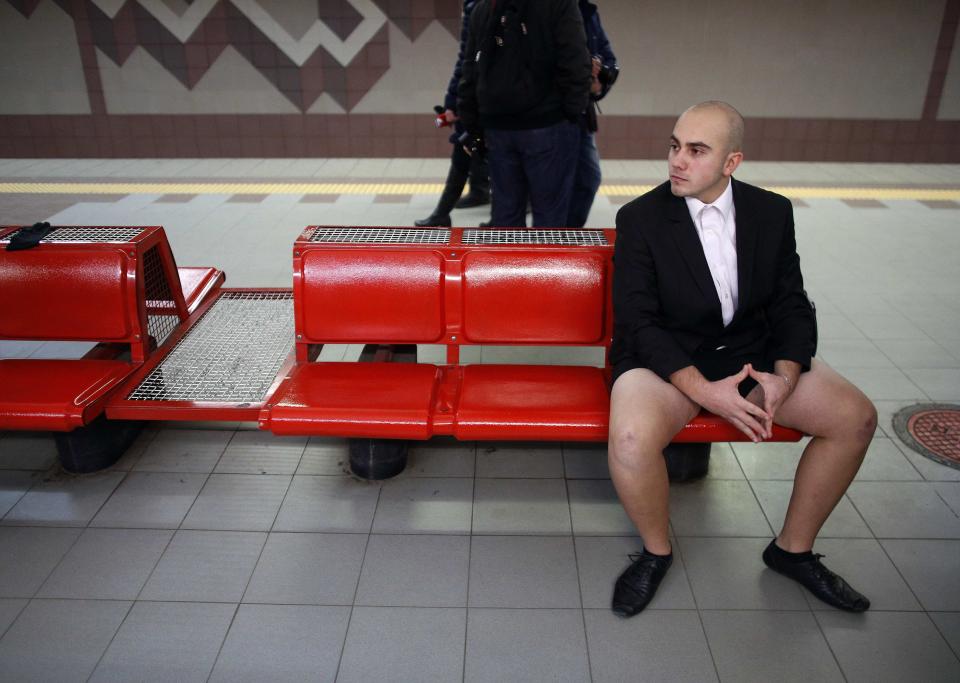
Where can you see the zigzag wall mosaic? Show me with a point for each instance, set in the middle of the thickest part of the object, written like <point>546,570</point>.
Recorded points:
<point>342,50</point>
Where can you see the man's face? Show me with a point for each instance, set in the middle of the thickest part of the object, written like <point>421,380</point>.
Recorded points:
<point>699,160</point>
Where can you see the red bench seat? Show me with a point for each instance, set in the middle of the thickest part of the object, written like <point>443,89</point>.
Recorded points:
<point>56,395</point>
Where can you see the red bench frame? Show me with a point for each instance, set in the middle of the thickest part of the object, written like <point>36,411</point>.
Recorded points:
<point>103,292</point>
<point>454,294</point>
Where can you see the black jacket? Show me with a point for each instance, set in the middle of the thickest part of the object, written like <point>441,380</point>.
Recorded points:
<point>556,57</point>
<point>665,306</point>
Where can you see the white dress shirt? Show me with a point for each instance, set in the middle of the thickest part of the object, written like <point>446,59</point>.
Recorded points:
<point>716,225</point>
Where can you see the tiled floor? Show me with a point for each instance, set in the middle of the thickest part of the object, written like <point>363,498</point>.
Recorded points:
<point>214,552</point>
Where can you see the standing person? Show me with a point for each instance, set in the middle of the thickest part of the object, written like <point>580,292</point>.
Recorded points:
<point>603,76</point>
<point>525,82</point>
<point>461,164</point>
<point>709,310</point>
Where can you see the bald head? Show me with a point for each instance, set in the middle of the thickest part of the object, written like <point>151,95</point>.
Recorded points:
<point>732,121</point>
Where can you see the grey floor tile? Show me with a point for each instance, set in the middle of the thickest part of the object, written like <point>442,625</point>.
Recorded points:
<point>904,510</point>
<point>601,560</point>
<point>596,510</point>
<point>883,383</point>
<point>885,462</point>
<point>415,571</point>
<point>65,500</point>
<point>716,508</point>
<point>442,458</point>
<point>525,645</point>
<point>80,630</point>
<point>932,568</point>
<point>27,451</point>
<point>151,500</point>
<point>930,470</point>
<point>853,353</point>
<point>404,644</point>
<point>205,566</point>
<point>941,384</point>
<point>844,521</point>
<point>655,645</point>
<point>10,609</point>
<point>307,569</point>
<point>238,502</point>
<point>585,461</point>
<point>521,506</point>
<point>863,563</point>
<point>837,326</point>
<point>523,571</point>
<point>950,493</point>
<point>885,412</point>
<point>178,450</point>
<point>783,646</point>
<point>916,353</point>
<point>262,453</point>
<point>335,504</point>
<point>727,573</point>
<point>424,505</point>
<point>327,456</point>
<point>769,460</point>
<point>28,555</point>
<point>107,564</point>
<point>948,623</point>
<point>164,641</point>
<point>519,460</point>
<point>303,642</point>
<point>13,485</point>
<point>889,646</point>
<point>723,463</point>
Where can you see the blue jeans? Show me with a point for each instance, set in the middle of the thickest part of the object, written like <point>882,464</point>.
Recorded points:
<point>536,165</point>
<point>586,181</point>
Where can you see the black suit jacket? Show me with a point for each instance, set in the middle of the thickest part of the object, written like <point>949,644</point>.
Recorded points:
<point>666,309</point>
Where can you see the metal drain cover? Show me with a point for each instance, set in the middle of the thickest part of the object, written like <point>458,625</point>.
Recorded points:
<point>932,430</point>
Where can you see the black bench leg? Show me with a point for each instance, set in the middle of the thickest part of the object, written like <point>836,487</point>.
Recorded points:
<point>96,446</point>
<point>687,461</point>
<point>375,459</point>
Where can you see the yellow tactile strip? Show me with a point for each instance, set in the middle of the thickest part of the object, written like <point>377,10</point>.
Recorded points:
<point>380,188</point>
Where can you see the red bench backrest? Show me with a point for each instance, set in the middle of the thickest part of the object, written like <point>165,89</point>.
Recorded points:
<point>97,284</point>
<point>446,291</point>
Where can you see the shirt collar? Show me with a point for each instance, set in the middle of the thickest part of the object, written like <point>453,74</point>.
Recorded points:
<point>724,202</point>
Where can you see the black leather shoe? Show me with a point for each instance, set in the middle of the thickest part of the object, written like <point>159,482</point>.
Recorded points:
<point>819,580</point>
<point>637,585</point>
<point>433,221</point>
<point>485,224</point>
<point>471,200</point>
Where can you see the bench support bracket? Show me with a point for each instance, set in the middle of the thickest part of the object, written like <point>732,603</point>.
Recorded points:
<point>375,459</point>
<point>97,445</point>
<point>687,461</point>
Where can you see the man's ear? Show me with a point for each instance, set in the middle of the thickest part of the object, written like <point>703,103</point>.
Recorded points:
<point>732,162</point>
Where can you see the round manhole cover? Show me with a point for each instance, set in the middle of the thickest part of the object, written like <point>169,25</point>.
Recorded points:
<point>932,430</point>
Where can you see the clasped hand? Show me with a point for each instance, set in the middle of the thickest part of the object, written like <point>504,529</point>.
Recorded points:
<point>722,398</point>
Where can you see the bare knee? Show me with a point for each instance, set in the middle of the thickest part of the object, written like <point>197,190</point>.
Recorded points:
<point>865,420</point>
<point>631,448</point>
<point>855,420</point>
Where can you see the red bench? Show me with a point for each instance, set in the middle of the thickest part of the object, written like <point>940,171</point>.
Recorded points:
<point>117,287</point>
<point>454,287</point>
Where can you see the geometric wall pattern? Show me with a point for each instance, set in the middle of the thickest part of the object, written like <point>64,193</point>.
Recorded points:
<point>338,47</point>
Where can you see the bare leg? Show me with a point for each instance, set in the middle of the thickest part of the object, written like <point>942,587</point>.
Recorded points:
<point>645,414</point>
<point>842,421</point>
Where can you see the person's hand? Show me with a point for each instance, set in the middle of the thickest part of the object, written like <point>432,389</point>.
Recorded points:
<point>595,87</point>
<point>722,398</point>
<point>450,116</point>
<point>776,389</point>
<point>595,65</point>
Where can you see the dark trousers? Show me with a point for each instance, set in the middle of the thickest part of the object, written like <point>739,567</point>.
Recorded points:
<point>462,165</point>
<point>536,165</point>
<point>586,182</point>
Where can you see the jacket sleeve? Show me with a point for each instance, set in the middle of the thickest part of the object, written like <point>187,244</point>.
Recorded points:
<point>793,324</point>
<point>573,58</point>
<point>604,51</point>
<point>450,99</point>
<point>636,303</point>
<point>467,105</point>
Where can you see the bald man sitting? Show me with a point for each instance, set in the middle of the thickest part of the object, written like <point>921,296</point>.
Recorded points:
<point>710,311</point>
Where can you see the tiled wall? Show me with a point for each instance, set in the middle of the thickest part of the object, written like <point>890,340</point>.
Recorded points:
<point>818,80</point>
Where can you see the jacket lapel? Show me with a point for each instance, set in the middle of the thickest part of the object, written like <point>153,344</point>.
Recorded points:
<point>748,230</point>
<point>688,243</point>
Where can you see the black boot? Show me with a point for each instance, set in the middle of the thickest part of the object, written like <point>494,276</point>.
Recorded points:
<point>479,193</point>
<point>452,189</point>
